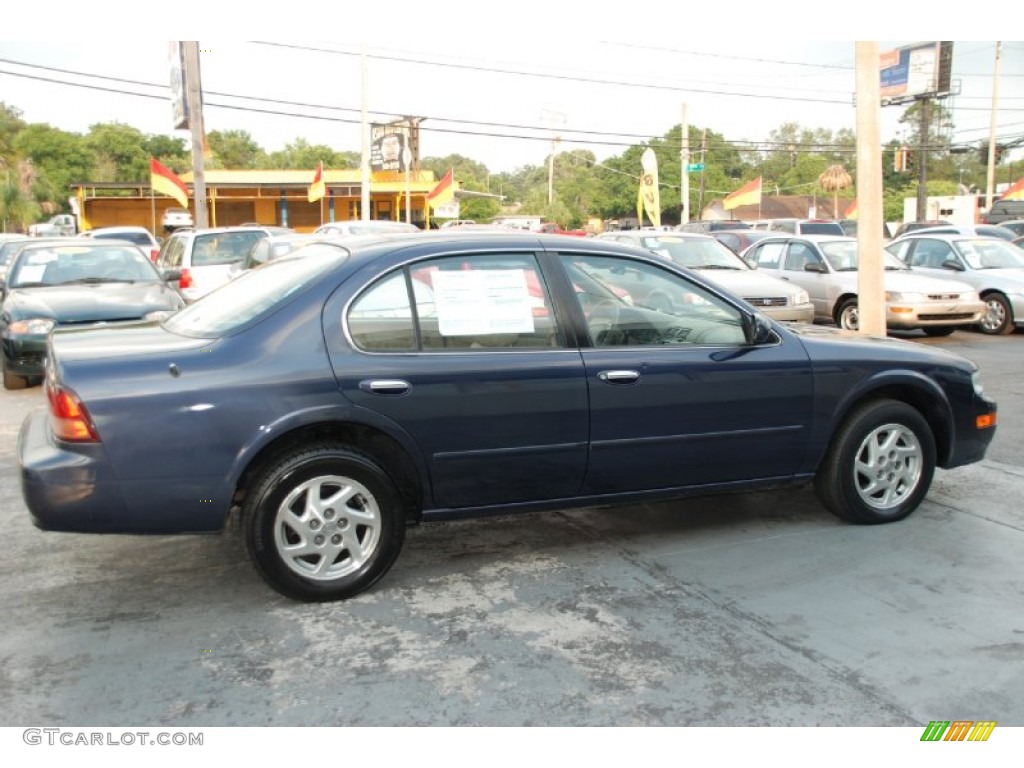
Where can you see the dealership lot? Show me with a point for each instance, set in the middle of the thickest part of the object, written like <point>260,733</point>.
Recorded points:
<point>755,609</point>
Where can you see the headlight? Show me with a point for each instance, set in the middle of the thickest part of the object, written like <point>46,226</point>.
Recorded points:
<point>976,381</point>
<point>37,326</point>
<point>904,298</point>
<point>801,297</point>
<point>159,315</point>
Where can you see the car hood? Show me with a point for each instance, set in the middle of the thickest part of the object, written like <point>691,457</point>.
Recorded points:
<point>907,282</point>
<point>85,303</point>
<point>747,282</point>
<point>825,342</point>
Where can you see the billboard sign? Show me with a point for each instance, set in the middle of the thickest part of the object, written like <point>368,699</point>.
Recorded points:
<point>179,92</point>
<point>916,71</point>
<point>388,143</point>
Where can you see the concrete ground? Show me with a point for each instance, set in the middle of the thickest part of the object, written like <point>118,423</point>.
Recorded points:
<point>754,609</point>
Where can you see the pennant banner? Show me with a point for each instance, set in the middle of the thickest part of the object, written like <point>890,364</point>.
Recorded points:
<point>444,192</point>
<point>164,181</point>
<point>649,188</point>
<point>317,189</point>
<point>748,194</point>
<point>1015,192</point>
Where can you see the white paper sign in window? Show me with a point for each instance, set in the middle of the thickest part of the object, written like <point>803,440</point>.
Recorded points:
<point>480,302</point>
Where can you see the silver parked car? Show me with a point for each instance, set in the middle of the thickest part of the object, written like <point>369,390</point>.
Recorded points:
<point>775,298</point>
<point>994,268</point>
<point>357,227</point>
<point>826,267</point>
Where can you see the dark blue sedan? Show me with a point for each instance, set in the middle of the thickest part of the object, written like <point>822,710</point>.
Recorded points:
<point>338,394</point>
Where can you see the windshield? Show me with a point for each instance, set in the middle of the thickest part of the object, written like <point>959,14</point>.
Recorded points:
<point>986,253</point>
<point>255,292</point>
<point>694,253</point>
<point>62,265</point>
<point>841,256</point>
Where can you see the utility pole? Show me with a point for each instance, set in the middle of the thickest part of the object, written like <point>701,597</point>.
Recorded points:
<point>684,162</point>
<point>922,162</point>
<point>703,162</point>
<point>194,90</point>
<point>990,186</point>
<point>364,207</point>
<point>554,119</point>
<point>870,270</point>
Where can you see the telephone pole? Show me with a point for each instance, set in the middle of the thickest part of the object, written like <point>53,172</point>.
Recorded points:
<point>194,90</point>
<point>684,162</point>
<point>990,186</point>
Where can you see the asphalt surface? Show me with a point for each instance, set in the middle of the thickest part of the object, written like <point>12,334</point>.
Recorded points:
<point>753,609</point>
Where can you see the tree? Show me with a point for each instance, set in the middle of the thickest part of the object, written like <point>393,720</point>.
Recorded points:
<point>170,151</point>
<point>17,206</point>
<point>834,179</point>
<point>59,159</point>
<point>119,152</point>
<point>235,149</point>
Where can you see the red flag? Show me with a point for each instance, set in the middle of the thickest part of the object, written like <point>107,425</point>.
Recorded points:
<point>164,181</point>
<point>1015,192</point>
<point>748,194</point>
<point>851,212</point>
<point>317,189</point>
<point>443,193</point>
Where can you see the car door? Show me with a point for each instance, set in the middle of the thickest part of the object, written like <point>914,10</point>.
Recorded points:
<point>678,398</point>
<point>796,257</point>
<point>481,376</point>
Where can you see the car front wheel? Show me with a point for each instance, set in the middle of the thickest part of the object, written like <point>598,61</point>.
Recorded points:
<point>323,523</point>
<point>998,317</point>
<point>880,464</point>
<point>848,316</point>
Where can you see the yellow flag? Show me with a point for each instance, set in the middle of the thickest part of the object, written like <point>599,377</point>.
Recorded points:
<point>649,188</point>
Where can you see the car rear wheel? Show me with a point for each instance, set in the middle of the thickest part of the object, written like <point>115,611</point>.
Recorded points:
<point>323,523</point>
<point>880,464</point>
<point>848,315</point>
<point>998,317</point>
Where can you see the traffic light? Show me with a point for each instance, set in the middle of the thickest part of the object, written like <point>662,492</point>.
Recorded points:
<point>983,153</point>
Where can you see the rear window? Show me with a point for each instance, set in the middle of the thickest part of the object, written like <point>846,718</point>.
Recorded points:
<point>256,293</point>
<point>139,238</point>
<point>223,247</point>
<point>821,228</point>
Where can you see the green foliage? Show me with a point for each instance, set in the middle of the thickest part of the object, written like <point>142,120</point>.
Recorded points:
<point>300,154</point>
<point>118,152</point>
<point>235,150</point>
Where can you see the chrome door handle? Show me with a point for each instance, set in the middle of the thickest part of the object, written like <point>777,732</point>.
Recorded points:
<point>619,377</point>
<point>385,386</point>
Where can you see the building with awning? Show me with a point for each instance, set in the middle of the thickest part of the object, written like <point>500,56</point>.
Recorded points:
<point>268,197</point>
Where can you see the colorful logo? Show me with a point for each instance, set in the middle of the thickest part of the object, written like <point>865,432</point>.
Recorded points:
<point>958,730</point>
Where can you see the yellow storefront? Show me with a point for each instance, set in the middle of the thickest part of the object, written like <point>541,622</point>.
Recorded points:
<point>268,197</point>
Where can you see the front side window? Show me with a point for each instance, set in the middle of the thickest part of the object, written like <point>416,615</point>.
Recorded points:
<point>472,302</point>
<point>631,303</point>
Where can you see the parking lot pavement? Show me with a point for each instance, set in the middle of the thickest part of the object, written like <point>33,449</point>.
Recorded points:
<point>752,609</point>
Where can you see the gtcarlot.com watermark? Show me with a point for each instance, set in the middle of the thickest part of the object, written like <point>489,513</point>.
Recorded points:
<point>72,738</point>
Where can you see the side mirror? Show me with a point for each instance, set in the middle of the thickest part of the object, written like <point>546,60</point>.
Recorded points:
<point>953,264</point>
<point>171,275</point>
<point>758,329</point>
<point>815,266</point>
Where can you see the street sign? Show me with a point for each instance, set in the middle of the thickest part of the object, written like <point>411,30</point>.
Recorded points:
<point>694,167</point>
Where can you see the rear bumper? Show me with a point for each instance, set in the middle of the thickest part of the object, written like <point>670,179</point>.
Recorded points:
<point>66,491</point>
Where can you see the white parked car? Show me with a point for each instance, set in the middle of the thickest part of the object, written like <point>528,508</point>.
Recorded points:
<point>775,298</point>
<point>174,218</point>
<point>140,236</point>
<point>198,262</point>
<point>826,267</point>
<point>994,268</point>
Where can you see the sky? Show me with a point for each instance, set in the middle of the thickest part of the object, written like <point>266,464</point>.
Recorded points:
<point>494,83</point>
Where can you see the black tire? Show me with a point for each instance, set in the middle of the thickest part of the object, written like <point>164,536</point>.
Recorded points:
<point>848,316</point>
<point>12,380</point>
<point>329,561</point>
<point>905,471</point>
<point>998,317</point>
<point>939,330</point>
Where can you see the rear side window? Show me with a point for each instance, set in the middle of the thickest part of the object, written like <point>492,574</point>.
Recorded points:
<point>768,255</point>
<point>172,252</point>
<point>480,303</point>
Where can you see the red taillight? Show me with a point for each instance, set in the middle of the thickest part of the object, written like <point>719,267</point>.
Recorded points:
<point>186,279</point>
<point>70,419</point>
<point>154,254</point>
